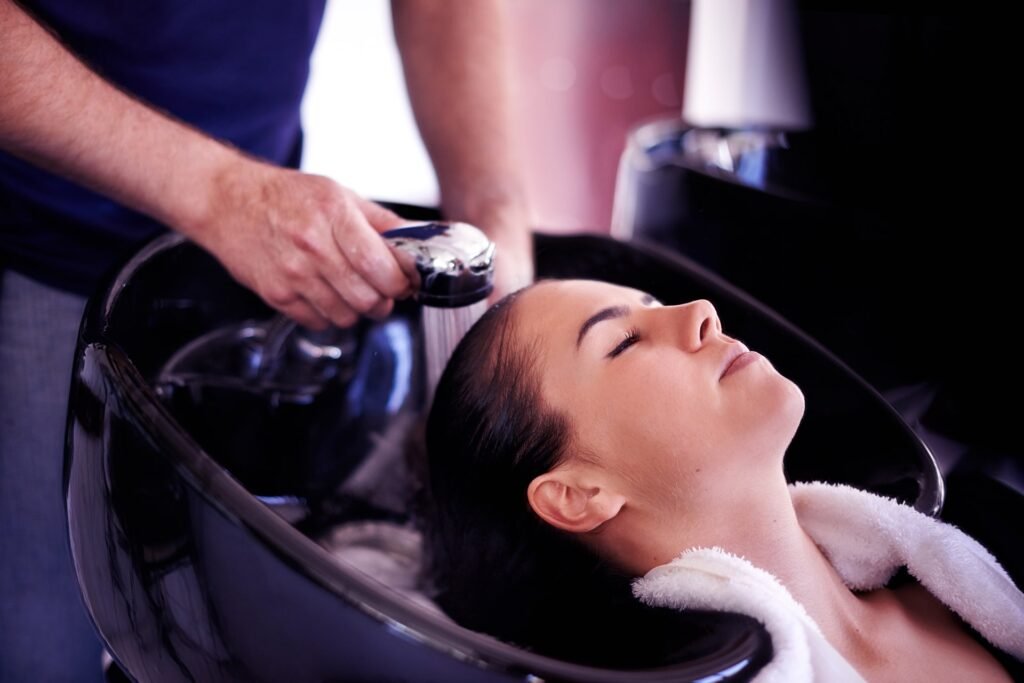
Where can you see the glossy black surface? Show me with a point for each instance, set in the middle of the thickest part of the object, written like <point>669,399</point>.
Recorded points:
<point>878,285</point>
<point>188,575</point>
<point>849,433</point>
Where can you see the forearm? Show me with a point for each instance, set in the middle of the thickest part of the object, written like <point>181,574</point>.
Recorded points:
<point>58,114</point>
<point>455,57</point>
<point>309,247</point>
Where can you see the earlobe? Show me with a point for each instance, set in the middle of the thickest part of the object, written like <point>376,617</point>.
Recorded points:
<point>561,500</point>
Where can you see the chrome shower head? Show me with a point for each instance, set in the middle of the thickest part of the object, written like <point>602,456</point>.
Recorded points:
<point>451,264</point>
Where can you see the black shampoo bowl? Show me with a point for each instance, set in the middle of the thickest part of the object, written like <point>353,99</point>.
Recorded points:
<point>198,507</point>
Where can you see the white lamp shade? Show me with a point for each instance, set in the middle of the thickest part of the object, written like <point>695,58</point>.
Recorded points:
<point>744,67</point>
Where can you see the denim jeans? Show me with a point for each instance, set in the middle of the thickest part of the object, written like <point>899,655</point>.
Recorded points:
<point>45,634</point>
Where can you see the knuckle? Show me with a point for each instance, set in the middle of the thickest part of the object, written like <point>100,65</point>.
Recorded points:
<point>279,297</point>
<point>367,262</point>
<point>357,306</point>
<point>363,299</point>
<point>385,273</point>
<point>344,317</point>
<point>293,267</point>
<point>360,305</point>
<point>360,295</point>
<point>397,286</point>
<point>307,239</point>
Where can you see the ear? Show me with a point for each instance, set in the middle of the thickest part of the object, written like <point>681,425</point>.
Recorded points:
<point>563,499</point>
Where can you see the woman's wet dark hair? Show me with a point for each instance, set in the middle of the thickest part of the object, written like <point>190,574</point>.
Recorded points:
<point>497,567</point>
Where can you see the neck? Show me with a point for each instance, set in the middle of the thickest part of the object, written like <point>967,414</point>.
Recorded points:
<point>761,528</point>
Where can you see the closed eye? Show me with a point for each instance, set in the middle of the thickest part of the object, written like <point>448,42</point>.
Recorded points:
<point>632,337</point>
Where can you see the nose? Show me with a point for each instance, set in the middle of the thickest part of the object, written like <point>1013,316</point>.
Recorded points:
<point>694,323</point>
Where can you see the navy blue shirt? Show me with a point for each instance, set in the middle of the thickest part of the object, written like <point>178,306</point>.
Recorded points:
<point>236,70</point>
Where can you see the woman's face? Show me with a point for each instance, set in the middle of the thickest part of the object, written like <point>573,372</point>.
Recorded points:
<point>657,396</point>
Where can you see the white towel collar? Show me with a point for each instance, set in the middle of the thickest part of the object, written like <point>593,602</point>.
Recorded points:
<point>867,538</point>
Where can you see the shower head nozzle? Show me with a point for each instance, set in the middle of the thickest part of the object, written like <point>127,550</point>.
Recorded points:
<point>452,264</point>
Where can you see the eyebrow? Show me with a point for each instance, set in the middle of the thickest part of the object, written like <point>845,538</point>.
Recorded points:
<point>607,314</point>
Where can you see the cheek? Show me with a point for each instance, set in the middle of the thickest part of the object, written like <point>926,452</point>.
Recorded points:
<point>672,419</point>
<point>684,422</point>
<point>669,451</point>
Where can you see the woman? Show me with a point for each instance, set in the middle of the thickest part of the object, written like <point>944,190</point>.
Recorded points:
<point>583,435</point>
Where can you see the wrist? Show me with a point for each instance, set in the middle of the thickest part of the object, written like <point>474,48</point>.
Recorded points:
<point>499,212</point>
<point>206,189</point>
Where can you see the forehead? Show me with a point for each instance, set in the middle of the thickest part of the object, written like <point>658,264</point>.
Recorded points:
<point>551,312</point>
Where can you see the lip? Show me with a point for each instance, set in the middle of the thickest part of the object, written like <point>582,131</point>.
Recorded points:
<point>735,352</point>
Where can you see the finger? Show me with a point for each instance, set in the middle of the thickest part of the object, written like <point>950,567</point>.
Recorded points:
<point>284,297</point>
<point>304,314</point>
<point>369,303</point>
<point>379,218</point>
<point>338,274</point>
<point>326,263</point>
<point>370,257</point>
<point>328,303</point>
<point>351,287</point>
<point>382,310</point>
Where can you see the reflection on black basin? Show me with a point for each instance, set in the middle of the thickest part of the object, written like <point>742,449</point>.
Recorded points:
<point>198,503</point>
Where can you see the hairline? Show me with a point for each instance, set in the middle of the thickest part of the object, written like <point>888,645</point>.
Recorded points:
<point>526,357</point>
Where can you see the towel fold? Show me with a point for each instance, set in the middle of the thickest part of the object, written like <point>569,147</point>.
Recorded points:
<point>867,538</point>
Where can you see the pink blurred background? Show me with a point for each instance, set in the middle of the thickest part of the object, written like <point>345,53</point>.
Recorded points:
<point>585,72</point>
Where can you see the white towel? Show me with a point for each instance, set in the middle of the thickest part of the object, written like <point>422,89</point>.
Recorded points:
<point>867,538</point>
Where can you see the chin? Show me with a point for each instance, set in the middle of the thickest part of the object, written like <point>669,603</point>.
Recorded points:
<point>795,401</point>
<point>770,409</point>
<point>782,408</point>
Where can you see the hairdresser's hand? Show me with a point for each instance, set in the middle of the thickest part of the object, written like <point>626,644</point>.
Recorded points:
<point>507,225</point>
<point>513,265</point>
<point>308,246</point>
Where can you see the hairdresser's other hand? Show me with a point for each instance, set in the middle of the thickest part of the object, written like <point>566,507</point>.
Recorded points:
<point>513,264</point>
<point>307,246</point>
